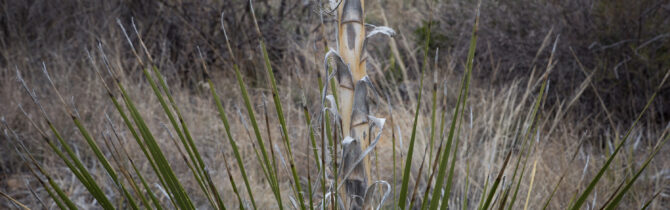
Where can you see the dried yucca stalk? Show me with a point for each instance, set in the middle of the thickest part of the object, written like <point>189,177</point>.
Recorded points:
<point>352,91</point>
<point>350,41</point>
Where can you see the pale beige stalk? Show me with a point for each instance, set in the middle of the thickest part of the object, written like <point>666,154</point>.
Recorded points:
<point>351,40</point>
<point>352,93</point>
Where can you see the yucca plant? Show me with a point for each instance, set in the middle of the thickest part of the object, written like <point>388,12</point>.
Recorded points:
<point>345,175</point>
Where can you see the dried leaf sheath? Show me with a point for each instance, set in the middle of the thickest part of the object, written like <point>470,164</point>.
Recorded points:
<point>351,40</point>
<point>353,105</point>
<point>357,182</point>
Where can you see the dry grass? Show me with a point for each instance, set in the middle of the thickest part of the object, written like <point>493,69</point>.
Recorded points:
<point>493,123</point>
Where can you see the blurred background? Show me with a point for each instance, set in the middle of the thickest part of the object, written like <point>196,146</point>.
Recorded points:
<point>609,57</point>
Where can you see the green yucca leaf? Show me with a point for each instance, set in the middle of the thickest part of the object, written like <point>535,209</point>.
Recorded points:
<point>416,186</point>
<point>60,195</point>
<point>154,200</point>
<point>443,163</point>
<point>152,196</point>
<point>308,122</point>
<point>269,131</point>
<point>646,204</point>
<point>432,120</point>
<point>533,127</point>
<point>176,192</point>
<point>503,200</point>
<point>264,168</point>
<point>196,173</point>
<point>458,112</point>
<point>104,160</point>
<point>450,177</point>
<point>466,82</point>
<point>187,145</point>
<point>84,177</point>
<point>77,168</point>
<point>494,187</point>
<point>324,123</point>
<point>219,201</point>
<point>523,170</point>
<point>518,185</point>
<point>121,112</point>
<point>467,186</point>
<point>59,192</point>
<point>434,167</point>
<point>280,112</point>
<point>484,190</point>
<point>582,198</point>
<point>224,118</point>
<point>95,149</point>
<point>309,183</point>
<point>270,172</point>
<point>658,146</point>
<point>143,148</point>
<point>116,156</point>
<point>436,158</point>
<point>282,121</point>
<point>561,178</point>
<point>410,152</point>
<point>615,202</point>
<point>201,170</point>
<point>233,145</point>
